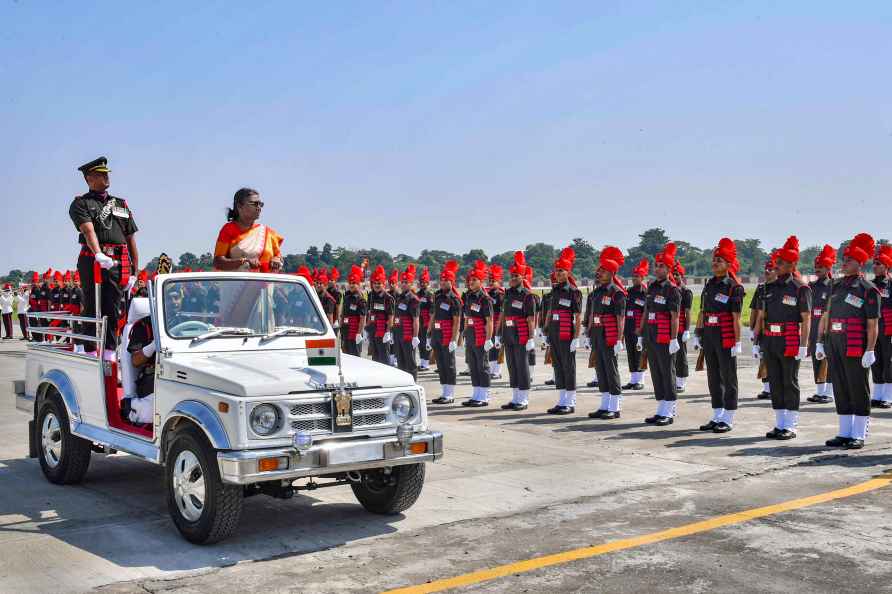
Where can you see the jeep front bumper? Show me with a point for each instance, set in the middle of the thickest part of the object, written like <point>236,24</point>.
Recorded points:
<point>333,456</point>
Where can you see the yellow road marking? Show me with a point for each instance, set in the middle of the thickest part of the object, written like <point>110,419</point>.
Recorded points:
<point>484,575</point>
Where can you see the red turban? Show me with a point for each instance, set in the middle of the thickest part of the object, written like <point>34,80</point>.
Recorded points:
<point>57,276</point>
<point>528,278</point>
<point>612,260</point>
<point>378,275</point>
<point>496,273</point>
<point>790,251</point>
<point>305,272</point>
<point>520,264</point>
<point>355,275</point>
<point>143,276</point>
<point>827,257</point>
<point>450,269</point>
<point>884,255</point>
<point>322,276</point>
<point>727,251</point>
<point>334,274</point>
<point>409,275</point>
<point>48,275</point>
<point>35,279</point>
<point>426,275</point>
<point>861,248</point>
<point>394,276</point>
<point>771,262</point>
<point>67,277</point>
<point>479,271</point>
<point>667,256</point>
<point>642,269</point>
<point>566,260</point>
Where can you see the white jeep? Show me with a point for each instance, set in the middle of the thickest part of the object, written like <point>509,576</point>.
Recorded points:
<point>251,393</point>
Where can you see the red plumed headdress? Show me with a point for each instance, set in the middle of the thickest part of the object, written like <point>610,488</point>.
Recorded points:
<point>496,273</point>
<point>861,248</point>
<point>790,251</point>
<point>355,275</point>
<point>884,255</point>
<point>450,270</point>
<point>827,257</point>
<point>520,264</point>
<point>408,275</point>
<point>379,275</point>
<point>642,269</point>
<point>479,271</point>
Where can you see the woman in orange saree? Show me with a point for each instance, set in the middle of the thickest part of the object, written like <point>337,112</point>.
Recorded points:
<point>245,244</point>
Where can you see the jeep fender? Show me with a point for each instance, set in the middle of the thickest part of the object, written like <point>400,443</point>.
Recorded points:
<point>62,384</point>
<point>201,415</point>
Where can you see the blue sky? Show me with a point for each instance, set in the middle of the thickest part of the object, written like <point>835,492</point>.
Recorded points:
<point>451,125</point>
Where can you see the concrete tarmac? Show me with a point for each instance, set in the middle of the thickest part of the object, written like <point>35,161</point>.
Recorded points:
<point>511,486</point>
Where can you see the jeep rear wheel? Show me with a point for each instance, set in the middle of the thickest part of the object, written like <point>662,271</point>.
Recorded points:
<point>64,458</point>
<point>203,507</point>
<point>390,493</point>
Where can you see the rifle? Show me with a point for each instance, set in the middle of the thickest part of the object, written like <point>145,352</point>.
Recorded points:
<point>824,364</point>
<point>643,365</point>
<point>701,360</point>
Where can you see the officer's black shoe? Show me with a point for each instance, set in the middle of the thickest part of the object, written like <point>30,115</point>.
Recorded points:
<point>855,444</point>
<point>514,406</point>
<point>721,427</point>
<point>774,433</point>
<point>678,390</point>
<point>597,414</point>
<point>442,400</point>
<point>663,421</point>
<point>125,410</point>
<point>592,384</point>
<point>631,386</point>
<point>466,372</point>
<point>495,376</point>
<point>610,415</point>
<point>837,442</point>
<point>474,403</point>
<point>709,426</point>
<point>786,434</point>
<point>561,410</point>
<point>819,399</point>
<point>549,382</point>
<point>764,396</point>
<point>884,404</point>
<point>652,420</point>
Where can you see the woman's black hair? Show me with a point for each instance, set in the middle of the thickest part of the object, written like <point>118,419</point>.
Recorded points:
<point>240,197</point>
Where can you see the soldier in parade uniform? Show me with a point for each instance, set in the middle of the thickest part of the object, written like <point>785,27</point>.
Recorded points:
<point>425,303</point>
<point>381,305</point>
<point>496,294</point>
<point>784,324</point>
<point>108,238</point>
<point>605,318</point>
<point>755,308</point>
<point>635,302</point>
<point>882,369</point>
<point>41,298</point>
<point>477,334</point>
<point>329,302</point>
<point>406,323</point>
<point>820,294</point>
<point>443,331</point>
<point>543,323</point>
<point>659,332</point>
<point>849,331</point>
<point>682,369</point>
<point>393,289</point>
<point>562,331</point>
<point>333,275</point>
<point>718,334</point>
<point>353,313</point>
<point>516,329</point>
<point>537,312</point>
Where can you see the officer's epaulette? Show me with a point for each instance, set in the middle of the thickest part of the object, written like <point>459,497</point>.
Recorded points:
<point>796,280</point>
<point>867,284</point>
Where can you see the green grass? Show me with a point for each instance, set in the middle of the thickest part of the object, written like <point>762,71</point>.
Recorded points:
<point>745,314</point>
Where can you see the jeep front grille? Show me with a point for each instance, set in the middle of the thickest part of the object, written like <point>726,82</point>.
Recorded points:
<point>310,408</point>
<point>369,420</point>
<point>315,416</point>
<point>368,404</point>
<point>314,425</point>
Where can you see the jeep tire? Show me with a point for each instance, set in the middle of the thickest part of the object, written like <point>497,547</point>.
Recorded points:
<point>203,508</point>
<point>391,494</point>
<point>64,458</point>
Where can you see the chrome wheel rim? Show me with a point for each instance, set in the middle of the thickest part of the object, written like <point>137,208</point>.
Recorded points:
<point>188,485</point>
<point>51,439</point>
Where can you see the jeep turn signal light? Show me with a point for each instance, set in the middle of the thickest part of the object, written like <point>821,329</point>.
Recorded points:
<point>270,464</point>
<point>418,448</point>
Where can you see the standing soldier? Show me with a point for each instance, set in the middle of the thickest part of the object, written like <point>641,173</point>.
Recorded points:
<point>41,296</point>
<point>718,334</point>
<point>477,311</point>
<point>537,312</point>
<point>393,289</point>
<point>882,369</point>
<point>329,303</point>
<point>820,294</point>
<point>108,238</point>
<point>635,302</point>
<point>443,331</point>
<point>682,369</point>
<point>353,313</point>
<point>33,304</point>
<point>405,324</point>
<point>496,294</point>
<point>784,324</point>
<point>56,293</point>
<point>23,304</point>
<point>518,323</point>
<point>849,329</point>
<point>562,331</point>
<point>755,308</point>
<point>543,323</point>
<point>659,331</point>
<point>605,315</point>
<point>425,301</point>
<point>380,317</point>
<point>333,275</point>
<point>7,301</point>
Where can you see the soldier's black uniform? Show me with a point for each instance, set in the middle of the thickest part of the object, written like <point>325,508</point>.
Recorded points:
<point>537,312</point>
<point>565,302</point>
<point>820,294</point>
<point>682,369</point>
<point>353,308</point>
<point>882,368</point>
<point>477,309</point>
<point>404,319</point>
<point>497,296</point>
<point>380,309</point>
<point>518,306</point>
<point>604,305</point>
<point>635,302</point>
<point>425,303</point>
<point>663,299</point>
<point>720,300</point>
<point>329,303</point>
<point>446,307</point>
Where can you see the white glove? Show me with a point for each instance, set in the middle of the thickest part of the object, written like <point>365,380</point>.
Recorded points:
<point>618,348</point>
<point>802,354</point>
<point>586,343</point>
<point>497,342</point>
<point>365,336</point>
<point>427,344</point>
<point>737,349</point>
<point>359,338</point>
<point>131,282</point>
<point>820,355</point>
<point>538,334</point>
<point>487,345</point>
<point>105,262</point>
<point>545,341</point>
<point>415,342</point>
<point>868,359</point>
<point>756,352</point>
<point>387,338</point>
<point>685,336</point>
<point>639,346</point>
<point>452,346</point>
<point>574,344</point>
<point>148,350</point>
<point>674,347</point>
<point>531,344</point>
<point>336,324</point>
<point>695,342</point>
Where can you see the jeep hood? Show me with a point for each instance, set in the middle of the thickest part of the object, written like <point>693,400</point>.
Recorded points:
<point>273,373</point>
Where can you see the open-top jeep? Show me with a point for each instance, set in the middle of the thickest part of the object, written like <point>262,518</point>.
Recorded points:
<point>251,393</point>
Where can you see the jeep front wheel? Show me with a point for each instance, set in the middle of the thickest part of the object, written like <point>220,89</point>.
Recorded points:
<point>64,458</point>
<point>390,493</point>
<point>203,507</point>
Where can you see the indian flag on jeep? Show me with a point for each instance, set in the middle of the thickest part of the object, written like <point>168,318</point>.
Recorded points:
<point>322,352</point>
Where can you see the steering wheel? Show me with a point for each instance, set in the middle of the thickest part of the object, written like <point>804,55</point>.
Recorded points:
<point>189,328</point>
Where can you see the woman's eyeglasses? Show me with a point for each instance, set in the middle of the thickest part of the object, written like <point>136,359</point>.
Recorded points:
<point>254,203</point>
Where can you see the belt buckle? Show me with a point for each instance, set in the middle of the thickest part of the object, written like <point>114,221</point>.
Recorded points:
<point>596,320</point>
<point>775,328</point>
<point>713,319</point>
<point>436,325</point>
<point>836,326</point>
<point>509,322</point>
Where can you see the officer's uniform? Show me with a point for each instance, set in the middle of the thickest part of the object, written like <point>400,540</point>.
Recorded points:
<point>604,313</point>
<point>682,369</point>
<point>663,299</point>
<point>393,291</point>
<point>425,303</point>
<point>477,310</point>
<point>380,311</point>
<point>497,296</point>
<point>756,305</point>
<point>353,310</point>
<point>404,320</point>
<point>882,369</point>
<point>42,304</point>
<point>537,313</point>
<point>113,223</point>
<point>518,314</point>
<point>565,304</point>
<point>820,295</point>
<point>446,312</point>
<point>544,305</point>
<point>635,302</point>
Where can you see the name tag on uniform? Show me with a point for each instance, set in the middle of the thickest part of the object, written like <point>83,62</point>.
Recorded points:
<point>836,326</point>
<point>660,299</point>
<point>402,307</point>
<point>475,307</point>
<point>721,298</point>
<point>444,306</point>
<point>606,300</point>
<point>396,321</point>
<point>823,296</point>
<point>372,317</point>
<point>775,328</point>
<point>818,312</point>
<point>436,325</point>
<point>424,300</point>
<point>651,316</point>
<point>884,293</point>
<point>564,302</point>
<point>470,322</point>
<point>120,212</point>
<point>630,314</point>
<point>379,306</point>
<point>854,300</point>
<point>346,320</point>
<point>712,320</point>
<point>640,302</point>
<point>352,307</point>
<point>596,320</point>
<point>789,300</point>
<point>555,317</point>
<point>517,304</point>
<point>509,323</point>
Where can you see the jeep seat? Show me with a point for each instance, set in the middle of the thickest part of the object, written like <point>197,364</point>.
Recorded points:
<point>139,309</point>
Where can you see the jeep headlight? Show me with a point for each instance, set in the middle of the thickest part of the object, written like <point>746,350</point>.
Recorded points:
<point>265,419</point>
<point>403,407</point>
